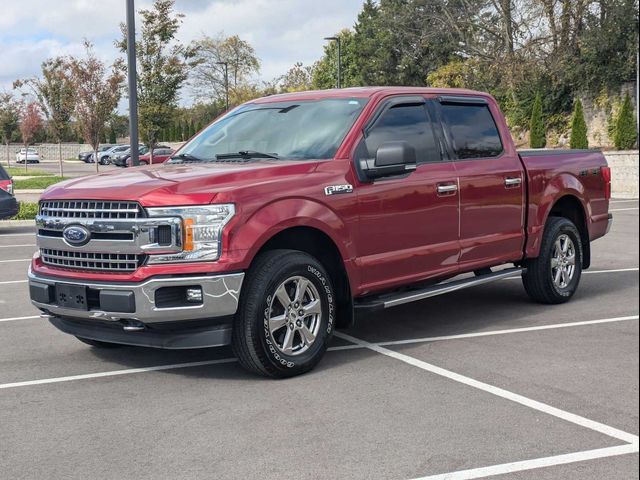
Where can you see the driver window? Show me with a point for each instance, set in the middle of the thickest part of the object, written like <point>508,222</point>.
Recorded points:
<point>404,122</point>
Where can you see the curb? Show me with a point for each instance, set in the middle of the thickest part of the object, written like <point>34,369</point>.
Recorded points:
<point>16,223</point>
<point>29,190</point>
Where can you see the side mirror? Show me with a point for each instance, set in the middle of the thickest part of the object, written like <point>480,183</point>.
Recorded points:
<point>395,153</point>
<point>392,158</point>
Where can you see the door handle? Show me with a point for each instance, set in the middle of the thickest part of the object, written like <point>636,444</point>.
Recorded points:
<point>447,188</point>
<point>512,181</point>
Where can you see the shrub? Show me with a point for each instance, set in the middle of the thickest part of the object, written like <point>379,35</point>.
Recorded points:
<point>578,138</point>
<point>27,211</point>
<point>626,128</point>
<point>537,130</point>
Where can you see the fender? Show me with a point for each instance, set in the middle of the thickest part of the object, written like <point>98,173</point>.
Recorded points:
<point>251,235</point>
<point>541,203</point>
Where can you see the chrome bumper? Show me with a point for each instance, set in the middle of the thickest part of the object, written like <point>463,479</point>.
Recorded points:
<point>220,295</point>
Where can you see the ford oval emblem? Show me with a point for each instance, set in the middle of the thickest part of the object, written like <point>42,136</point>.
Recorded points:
<point>76,235</point>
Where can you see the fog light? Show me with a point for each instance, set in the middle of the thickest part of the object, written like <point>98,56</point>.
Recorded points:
<point>194,295</point>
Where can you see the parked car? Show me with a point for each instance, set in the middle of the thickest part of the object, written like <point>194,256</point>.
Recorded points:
<point>105,155</point>
<point>29,154</point>
<point>86,156</point>
<point>120,159</point>
<point>274,225</point>
<point>160,155</point>
<point>8,203</point>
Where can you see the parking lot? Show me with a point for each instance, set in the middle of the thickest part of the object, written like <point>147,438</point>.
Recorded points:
<point>474,384</point>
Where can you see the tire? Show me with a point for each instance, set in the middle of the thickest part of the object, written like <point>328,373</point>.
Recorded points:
<point>541,278</point>
<point>267,340</point>
<point>98,343</point>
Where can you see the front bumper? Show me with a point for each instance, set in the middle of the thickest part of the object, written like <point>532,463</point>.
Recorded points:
<point>155,301</point>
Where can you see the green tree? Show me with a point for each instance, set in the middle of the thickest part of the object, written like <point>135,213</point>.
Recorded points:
<point>325,70</point>
<point>626,126</point>
<point>112,135</point>
<point>163,64</point>
<point>219,55</point>
<point>537,130</point>
<point>54,93</point>
<point>297,79</point>
<point>184,131</point>
<point>578,138</point>
<point>9,117</point>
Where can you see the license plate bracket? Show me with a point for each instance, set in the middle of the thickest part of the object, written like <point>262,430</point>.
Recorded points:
<point>72,296</point>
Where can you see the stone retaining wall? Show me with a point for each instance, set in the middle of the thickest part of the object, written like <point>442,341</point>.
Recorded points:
<point>624,173</point>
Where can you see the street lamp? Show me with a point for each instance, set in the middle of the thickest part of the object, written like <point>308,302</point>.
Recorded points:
<point>226,83</point>
<point>133,90</point>
<point>337,40</point>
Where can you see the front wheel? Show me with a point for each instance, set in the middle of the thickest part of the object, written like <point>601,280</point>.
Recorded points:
<point>286,315</point>
<point>554,276</point>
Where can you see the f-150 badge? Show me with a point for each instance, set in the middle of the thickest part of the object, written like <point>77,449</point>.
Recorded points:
<point>335,189</point>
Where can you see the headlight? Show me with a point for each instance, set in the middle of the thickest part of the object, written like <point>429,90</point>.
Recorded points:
<point>202,227</point>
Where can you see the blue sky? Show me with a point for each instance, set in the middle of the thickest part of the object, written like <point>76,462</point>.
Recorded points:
<point>282,31</point>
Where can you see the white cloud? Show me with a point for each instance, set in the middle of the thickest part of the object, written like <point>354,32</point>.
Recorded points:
<point>282,31</point>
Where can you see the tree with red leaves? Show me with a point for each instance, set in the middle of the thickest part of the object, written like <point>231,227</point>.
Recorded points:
<point>30,124</point>
<point>96,94</point>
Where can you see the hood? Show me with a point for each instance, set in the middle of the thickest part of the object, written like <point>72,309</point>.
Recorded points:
<point>178,184</point>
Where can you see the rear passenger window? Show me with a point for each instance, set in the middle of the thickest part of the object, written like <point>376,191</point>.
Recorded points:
<point>405,122</point>
<point>474,131</point>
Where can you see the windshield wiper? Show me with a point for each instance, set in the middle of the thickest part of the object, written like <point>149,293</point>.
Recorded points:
<point>186,158</point>
<point>246,154</point>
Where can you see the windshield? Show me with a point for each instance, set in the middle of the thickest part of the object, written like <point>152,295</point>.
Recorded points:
<point>285,130</point>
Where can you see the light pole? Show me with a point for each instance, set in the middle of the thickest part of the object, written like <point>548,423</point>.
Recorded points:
<point>133,89</point>
<point>226,83</point>
<point>337,40</point>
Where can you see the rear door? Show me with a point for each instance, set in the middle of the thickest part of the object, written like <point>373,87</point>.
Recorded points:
<point>408,228</point>
<point>491,179</point>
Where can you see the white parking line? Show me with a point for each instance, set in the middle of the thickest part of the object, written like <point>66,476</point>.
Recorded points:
<point>617,270</point>
<point>623,209</point>
<point>16,260</point>
<point>20,245</point>
<point>507,331</point>
<point>535,463</point>
<point>13,281</point>
<point>13,319</point>
<point>116,372</point>
<point>499,392</point>
<point>625,201</point>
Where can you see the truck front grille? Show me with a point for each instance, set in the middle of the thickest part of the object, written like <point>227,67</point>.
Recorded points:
<point>90,209</point>
<point>112,262</point>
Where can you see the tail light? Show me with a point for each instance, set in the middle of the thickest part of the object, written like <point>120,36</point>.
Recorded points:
<point>606,178</point>
<point>10,187</point>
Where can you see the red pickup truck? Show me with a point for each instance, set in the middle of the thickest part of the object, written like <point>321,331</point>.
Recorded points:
<point>278,222</point>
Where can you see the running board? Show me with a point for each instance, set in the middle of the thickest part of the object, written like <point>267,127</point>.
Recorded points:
<point>395,299</point>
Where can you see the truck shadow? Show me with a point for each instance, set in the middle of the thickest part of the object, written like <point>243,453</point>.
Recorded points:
<point>497,306</point>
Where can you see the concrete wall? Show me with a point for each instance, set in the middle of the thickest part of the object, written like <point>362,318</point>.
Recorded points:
<point>48,151</point>
<point>624,173</point>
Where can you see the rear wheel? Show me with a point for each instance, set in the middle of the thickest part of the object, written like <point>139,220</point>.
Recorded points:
<point>286,315</point>
<point>98,343</point>
<point>554,276</point>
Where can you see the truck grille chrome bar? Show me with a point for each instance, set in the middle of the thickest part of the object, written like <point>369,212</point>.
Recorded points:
<point>113,262</point>
<point>90,209</point>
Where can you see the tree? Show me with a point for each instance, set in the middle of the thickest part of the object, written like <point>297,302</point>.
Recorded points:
<point>55,96</point>
<point>30,125</point>
<point>537,130</point>
<point>208,76</point>
<point>162,68</point>
<point>324,72</point>
<point>9,119</point>
<point>96,95</point>
<point>298,78</point>
<point>626,126</point>
<point>578,138</point>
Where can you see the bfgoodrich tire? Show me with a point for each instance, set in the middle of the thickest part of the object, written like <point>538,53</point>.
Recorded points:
<point>286,315</point>
<point>554,276</point>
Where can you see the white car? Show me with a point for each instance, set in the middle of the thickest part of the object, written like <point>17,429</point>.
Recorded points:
<point>30,154</point>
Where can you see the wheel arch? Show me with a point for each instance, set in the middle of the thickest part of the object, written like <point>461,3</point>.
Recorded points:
<point>570,207</point>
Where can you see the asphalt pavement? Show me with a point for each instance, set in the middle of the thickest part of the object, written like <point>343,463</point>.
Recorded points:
<point>481,383</point>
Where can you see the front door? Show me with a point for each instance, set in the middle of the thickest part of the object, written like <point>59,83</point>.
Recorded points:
<point>408,227</point>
